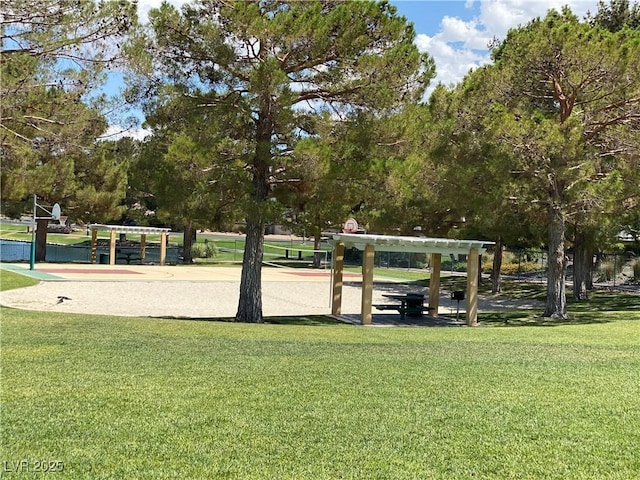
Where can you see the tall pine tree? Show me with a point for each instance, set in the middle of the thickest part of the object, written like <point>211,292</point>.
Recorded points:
<point>267,61</point>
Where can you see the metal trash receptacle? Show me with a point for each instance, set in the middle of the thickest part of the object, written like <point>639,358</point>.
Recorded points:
<point>104,258</point>
<point>459,296</point>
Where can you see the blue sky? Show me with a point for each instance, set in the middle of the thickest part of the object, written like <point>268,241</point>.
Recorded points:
<point>455,33</point>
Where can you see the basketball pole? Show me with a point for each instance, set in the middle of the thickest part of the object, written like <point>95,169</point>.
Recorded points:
<point>32,256</point>
<point>55,215</point>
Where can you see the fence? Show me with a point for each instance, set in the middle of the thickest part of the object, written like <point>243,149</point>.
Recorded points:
<point>19,251</point>
<point>608,267</point>
<point>519,263</point>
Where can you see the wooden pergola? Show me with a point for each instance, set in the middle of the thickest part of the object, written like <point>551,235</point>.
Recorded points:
<point>116,229</point>
<point>436,247</point>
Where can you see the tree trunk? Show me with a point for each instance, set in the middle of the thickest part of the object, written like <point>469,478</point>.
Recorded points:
<point>188,238</point>
<point>496,276</point>
<point>41,239</point>
<point>581,266</point>
<point>591,266</point>
<point>317,256</point>
<point>250,302</point>
<point>556,295</point>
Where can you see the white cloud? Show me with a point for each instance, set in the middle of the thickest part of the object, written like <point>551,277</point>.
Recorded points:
<point>457,30</point>
<point>451,63</point>
<point>498,16</point>
<point>116,132</point>
<point>144,6</point>
<point>462,45</point>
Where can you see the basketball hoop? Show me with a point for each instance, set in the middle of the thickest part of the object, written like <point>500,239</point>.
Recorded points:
<point>350,226</point>
<point>56,212</point>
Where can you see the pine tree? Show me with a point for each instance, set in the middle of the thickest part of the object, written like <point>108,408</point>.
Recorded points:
<point>263,63</point>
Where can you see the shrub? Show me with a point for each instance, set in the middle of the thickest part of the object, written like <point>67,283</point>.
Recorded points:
<point>448,265</point>
<point>204,250</point>
<point>522,267</point>
<point>197,250</point>
<point>510,264</point>
<point>606,271</point>
<point>211,249</point>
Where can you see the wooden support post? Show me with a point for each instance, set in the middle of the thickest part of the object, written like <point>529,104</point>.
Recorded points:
<point>367,284</point>
<point>94,245</point>
<point>338,268</point>
<point>112,248</point>
<point>472,287</point>
<point>434,284</point>
<point>163,247</point>
<point>143,247</point>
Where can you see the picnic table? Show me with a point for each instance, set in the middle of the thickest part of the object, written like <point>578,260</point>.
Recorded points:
<point>411,304</point>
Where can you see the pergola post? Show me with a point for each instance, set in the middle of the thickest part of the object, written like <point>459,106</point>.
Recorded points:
<point>163,247</point>
<point>367,283</point>
<point>472,287</point>
<point>94,245</point>
<point>112,248</point>
<point>338,269</point>
<point>434,284</point>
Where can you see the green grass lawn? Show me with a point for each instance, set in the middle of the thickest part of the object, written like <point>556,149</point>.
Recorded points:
<point>307,398</point>
<point>113,397</point>
<point>10,280</point>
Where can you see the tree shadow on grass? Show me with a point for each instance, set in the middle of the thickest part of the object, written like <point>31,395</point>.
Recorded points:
<point>527,318</point>
<point>601,307</point>
<point>585,314</point>
<point>307,320</point>
<point>607,302</point>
